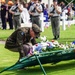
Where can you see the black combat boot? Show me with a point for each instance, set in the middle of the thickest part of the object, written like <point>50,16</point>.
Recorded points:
<point>58,37</point>
<point>55,38</point>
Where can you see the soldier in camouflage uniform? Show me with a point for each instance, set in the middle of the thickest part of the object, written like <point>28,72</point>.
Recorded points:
<point>54,14</point>
<point>18,39</point>
<point>16,10</point>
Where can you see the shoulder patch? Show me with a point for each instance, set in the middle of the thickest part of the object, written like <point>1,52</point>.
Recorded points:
<point>22,33</point>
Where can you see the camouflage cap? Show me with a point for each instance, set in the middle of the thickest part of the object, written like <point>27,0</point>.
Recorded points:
<point>36,28</point>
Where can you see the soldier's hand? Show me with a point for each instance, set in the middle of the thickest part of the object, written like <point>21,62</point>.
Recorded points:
<point>55,6</point>
<point>32,14</point>
<point>50,14</point>
<point>13,13</point>
<point>6,16</point>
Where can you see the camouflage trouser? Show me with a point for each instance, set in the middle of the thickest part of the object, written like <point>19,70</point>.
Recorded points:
<point>25,51</point>
<point>55,26</point>
<point>17,21</point>
<point>36,20</point>
<point>22,52</point>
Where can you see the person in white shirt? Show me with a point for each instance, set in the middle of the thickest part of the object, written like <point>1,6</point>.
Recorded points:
<point>25,14</point>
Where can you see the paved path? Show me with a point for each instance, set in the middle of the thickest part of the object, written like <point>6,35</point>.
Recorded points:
<point>2,42</point>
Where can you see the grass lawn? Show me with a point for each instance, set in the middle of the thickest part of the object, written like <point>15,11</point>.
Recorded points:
<point>4,34</point>
<point>65,35</point>
<point>8,58</point>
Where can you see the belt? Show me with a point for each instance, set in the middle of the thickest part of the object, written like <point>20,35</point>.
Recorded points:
<point>16,15</point>
<point>54,16</point>
<point>36,16</point>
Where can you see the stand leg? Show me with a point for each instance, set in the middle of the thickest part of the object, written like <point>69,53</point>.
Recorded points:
<point>40,65</point>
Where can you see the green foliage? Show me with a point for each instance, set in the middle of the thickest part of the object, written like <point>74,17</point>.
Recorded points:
<point>53,49</point>
<point>66,1</point>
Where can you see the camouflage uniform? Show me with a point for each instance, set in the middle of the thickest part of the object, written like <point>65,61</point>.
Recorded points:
<point>19,38</point>
<point>55,19</point>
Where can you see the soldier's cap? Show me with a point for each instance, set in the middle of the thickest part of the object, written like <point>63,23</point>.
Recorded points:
<point>36,28</point>
<point>55,0</point>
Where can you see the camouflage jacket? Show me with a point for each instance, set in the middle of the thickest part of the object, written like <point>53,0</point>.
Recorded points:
<point>18,38</point>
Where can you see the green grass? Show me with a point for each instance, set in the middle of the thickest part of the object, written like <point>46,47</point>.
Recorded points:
<point>65,35</point>
<point>8,58</point>
<point>4,34</point>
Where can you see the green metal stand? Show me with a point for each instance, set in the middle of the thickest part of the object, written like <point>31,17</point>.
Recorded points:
<point>40,65</point>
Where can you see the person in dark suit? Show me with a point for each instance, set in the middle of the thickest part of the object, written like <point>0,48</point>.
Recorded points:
<point>3,14</point>
<point>10,20</point>
<point>73,7</point>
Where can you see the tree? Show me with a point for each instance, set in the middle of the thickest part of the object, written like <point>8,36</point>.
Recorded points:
<point>66,1</point>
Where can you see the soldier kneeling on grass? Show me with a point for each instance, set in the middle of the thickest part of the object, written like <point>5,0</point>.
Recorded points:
<point>19,40</point>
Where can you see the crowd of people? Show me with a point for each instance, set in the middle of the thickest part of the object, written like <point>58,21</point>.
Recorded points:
<point>19,11</point>
<point>69,10</point>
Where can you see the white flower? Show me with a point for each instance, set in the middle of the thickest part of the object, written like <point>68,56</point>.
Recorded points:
<point>55,43</point>
<point>43,38</point>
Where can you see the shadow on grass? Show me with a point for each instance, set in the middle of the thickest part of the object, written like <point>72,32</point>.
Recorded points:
<point>60,66</point>
<point>28,71</point>
<point>35,70</point>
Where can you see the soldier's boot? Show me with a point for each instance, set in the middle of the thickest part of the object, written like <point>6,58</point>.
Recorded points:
<point>58,37</point>
<point>55,38</point>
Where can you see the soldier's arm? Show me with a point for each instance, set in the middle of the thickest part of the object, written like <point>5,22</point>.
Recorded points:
<point>20,8</point>
<point>58,9</point>
<point>20,36</point>
<point>12,12</point>
<point>6,16</point>
<point>50,14</point>
<point>30,11</point>
<point>33,41</point>
<point>39,9</point>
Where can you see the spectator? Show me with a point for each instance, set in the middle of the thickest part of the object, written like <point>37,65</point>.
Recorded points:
<point>26,5</point>
<point>25,14</point>
<point>10,20</point>
<point>46,13</point>
<point>3,14</point>
<point>62,4</point>
<point>70,12</point>
<point>73,7</point>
